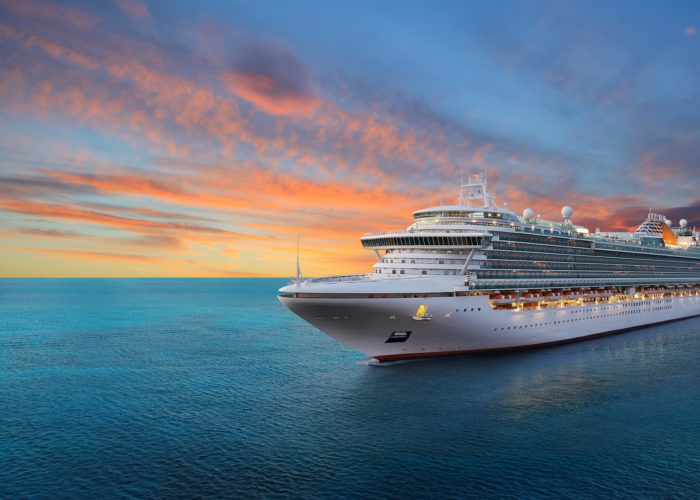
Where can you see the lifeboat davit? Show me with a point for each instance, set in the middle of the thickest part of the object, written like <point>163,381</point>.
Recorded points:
<point>502,298</point>
<point>552,296</point>
<point>531,297</point>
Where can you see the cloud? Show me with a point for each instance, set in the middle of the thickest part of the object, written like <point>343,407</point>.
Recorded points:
<point>272,77</point>
<point>50,233</point>
<point>50,12</point>
<point>690,31</point>
<point>363,163</point>
<point>691,213</point>
<point>134,9</point>
<point>77,213</point>
<point>78,255</point>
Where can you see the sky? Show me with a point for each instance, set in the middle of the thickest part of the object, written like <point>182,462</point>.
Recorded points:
<point>178,138</point>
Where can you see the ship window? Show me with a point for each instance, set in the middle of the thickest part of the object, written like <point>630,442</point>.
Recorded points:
<point>393,271</point>
<point>403,271</point>
<point>424,272</point>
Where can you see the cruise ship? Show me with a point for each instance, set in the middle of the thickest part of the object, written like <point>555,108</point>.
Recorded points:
<point>474,277</point>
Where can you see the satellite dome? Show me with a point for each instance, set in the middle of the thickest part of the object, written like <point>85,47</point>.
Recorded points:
<point>528,213</point>
<point>667,221</point>
<point>683,223</point>
<point>567,212</point>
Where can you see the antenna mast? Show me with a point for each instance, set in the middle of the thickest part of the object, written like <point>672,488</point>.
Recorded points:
<point>474,193</point>
<point>298,269</point>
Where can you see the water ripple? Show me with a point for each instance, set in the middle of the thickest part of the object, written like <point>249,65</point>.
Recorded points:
<point>210,388</point>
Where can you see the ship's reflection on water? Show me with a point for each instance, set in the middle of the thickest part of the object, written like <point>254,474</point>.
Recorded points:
<point>592,418</point>
<point>520,385</point>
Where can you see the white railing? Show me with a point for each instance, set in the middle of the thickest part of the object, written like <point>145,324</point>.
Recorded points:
<point>331,279</point>
<point>380,233</point>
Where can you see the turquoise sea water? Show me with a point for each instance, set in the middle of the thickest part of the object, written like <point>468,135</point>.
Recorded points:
<point>210,387</point>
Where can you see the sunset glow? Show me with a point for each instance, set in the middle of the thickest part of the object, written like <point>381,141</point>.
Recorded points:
<point>203,139</point>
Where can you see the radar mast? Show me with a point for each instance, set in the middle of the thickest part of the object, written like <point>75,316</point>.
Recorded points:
<point>475,194</point>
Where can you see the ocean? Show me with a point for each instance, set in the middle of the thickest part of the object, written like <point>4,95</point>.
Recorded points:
<point>133,388</point>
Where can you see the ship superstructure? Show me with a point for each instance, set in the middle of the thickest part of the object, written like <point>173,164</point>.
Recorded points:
<point>474,277</point>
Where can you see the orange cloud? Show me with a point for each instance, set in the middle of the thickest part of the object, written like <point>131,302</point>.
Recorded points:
<point>261,90</point>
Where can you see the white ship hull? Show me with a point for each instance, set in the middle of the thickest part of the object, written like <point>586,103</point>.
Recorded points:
<point>385,328</point>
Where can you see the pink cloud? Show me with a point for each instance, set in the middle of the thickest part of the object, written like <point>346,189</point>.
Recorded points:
<point>691,31</point>
<point>274,78</point>
<point>48,11</point>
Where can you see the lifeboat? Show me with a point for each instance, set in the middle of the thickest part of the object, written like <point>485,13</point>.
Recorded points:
<point>572,295</point>
<point>502,298</point>
<point>531,297</point>
<point>552,296</point>
<point>647,289</point>
<point>605,293</point>
<point>590,294</point>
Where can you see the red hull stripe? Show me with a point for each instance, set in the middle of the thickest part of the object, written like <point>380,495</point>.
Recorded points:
<point>396,357</point>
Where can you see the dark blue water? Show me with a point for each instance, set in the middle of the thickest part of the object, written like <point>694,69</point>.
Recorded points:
<point>198,388</point>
